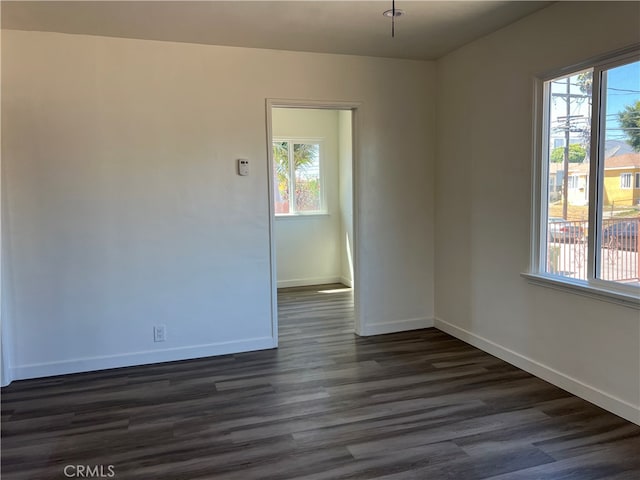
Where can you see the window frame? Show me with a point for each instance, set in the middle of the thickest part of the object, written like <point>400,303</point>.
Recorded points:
<point>629,177</point>
<point>594,287</point>
<point>323,211</point>
<point>636,184</point>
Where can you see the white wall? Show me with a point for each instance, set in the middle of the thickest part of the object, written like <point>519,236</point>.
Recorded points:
<point>308,248</point>
<point>483,192</point>
<point>123,208</point>
<point>345,162</point>
<point>5,375</point>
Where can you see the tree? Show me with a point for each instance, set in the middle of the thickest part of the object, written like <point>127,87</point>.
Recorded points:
<point>629,119</point>
<point>303,157</point>
<point>585,82</point>
<point>576,154</point>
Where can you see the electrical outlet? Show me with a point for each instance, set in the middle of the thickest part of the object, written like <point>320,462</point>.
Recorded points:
<point>159,333</point>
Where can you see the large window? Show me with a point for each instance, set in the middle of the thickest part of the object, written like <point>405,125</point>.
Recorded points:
<point>589,219</point>
<point>297,176</point>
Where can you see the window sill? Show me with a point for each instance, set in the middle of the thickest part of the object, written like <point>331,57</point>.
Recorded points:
<point>300,215</point>
<point>579,287</point>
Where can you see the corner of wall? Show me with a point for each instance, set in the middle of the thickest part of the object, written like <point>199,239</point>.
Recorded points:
<point>572,385</point>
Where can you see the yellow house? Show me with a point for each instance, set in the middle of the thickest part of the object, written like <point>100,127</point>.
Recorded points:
<point>621,181</point>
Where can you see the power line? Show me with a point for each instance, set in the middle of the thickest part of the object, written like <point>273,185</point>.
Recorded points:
<point>623,90</point>
<point>608,88</point>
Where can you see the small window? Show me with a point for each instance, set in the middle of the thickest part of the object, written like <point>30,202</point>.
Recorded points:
<point>637,180</point>
<point>625,180</point>
<point>573,181</point>
<point>297,175</point>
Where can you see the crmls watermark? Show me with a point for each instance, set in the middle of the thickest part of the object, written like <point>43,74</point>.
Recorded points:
<point>89,471</point>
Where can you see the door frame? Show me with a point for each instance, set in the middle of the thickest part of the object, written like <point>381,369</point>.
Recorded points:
<point>354,108</point>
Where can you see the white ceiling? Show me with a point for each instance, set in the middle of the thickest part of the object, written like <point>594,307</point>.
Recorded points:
<point>429,29</point>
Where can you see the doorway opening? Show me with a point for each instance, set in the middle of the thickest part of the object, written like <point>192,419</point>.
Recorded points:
<point>312,164</point>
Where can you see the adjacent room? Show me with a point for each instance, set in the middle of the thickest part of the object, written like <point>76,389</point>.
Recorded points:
<point>312,165</point>
<point>313,201</point>
<point>321,240</point>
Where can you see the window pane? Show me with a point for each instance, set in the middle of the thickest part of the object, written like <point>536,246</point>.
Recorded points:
<point>281,180</point>
<point>568,136</point>
<point>619,260</point>
<point>306,158</point>
<point>625,180</point>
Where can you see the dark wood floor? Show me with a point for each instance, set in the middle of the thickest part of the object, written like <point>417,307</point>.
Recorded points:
<point>325,405</point>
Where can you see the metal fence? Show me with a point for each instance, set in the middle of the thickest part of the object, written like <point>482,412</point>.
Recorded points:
<point>620,244</point>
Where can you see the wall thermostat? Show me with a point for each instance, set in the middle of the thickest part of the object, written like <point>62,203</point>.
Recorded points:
<point>243,167</point>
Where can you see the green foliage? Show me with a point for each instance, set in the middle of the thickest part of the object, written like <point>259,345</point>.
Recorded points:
<point>585,82</point>
<point>629,119</point>
<point>576,154</point>
<point>307,195</point>
<point>281,157</point>
<point>307,190</point>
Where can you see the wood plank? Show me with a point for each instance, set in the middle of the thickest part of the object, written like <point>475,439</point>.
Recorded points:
<point>325,405</point>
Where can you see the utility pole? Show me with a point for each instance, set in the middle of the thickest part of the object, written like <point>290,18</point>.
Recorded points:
<point>567,96</point>
<point>565,178</point>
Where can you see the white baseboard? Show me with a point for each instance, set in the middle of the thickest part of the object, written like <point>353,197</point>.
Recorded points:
<point>396,326</point>
<point>347,282</point>
<point>572,385</point>
<point>140,358</point>
<point>303,282</point>
<point>6,379</point>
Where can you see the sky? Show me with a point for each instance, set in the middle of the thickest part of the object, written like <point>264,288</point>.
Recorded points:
<point>623,88</point>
